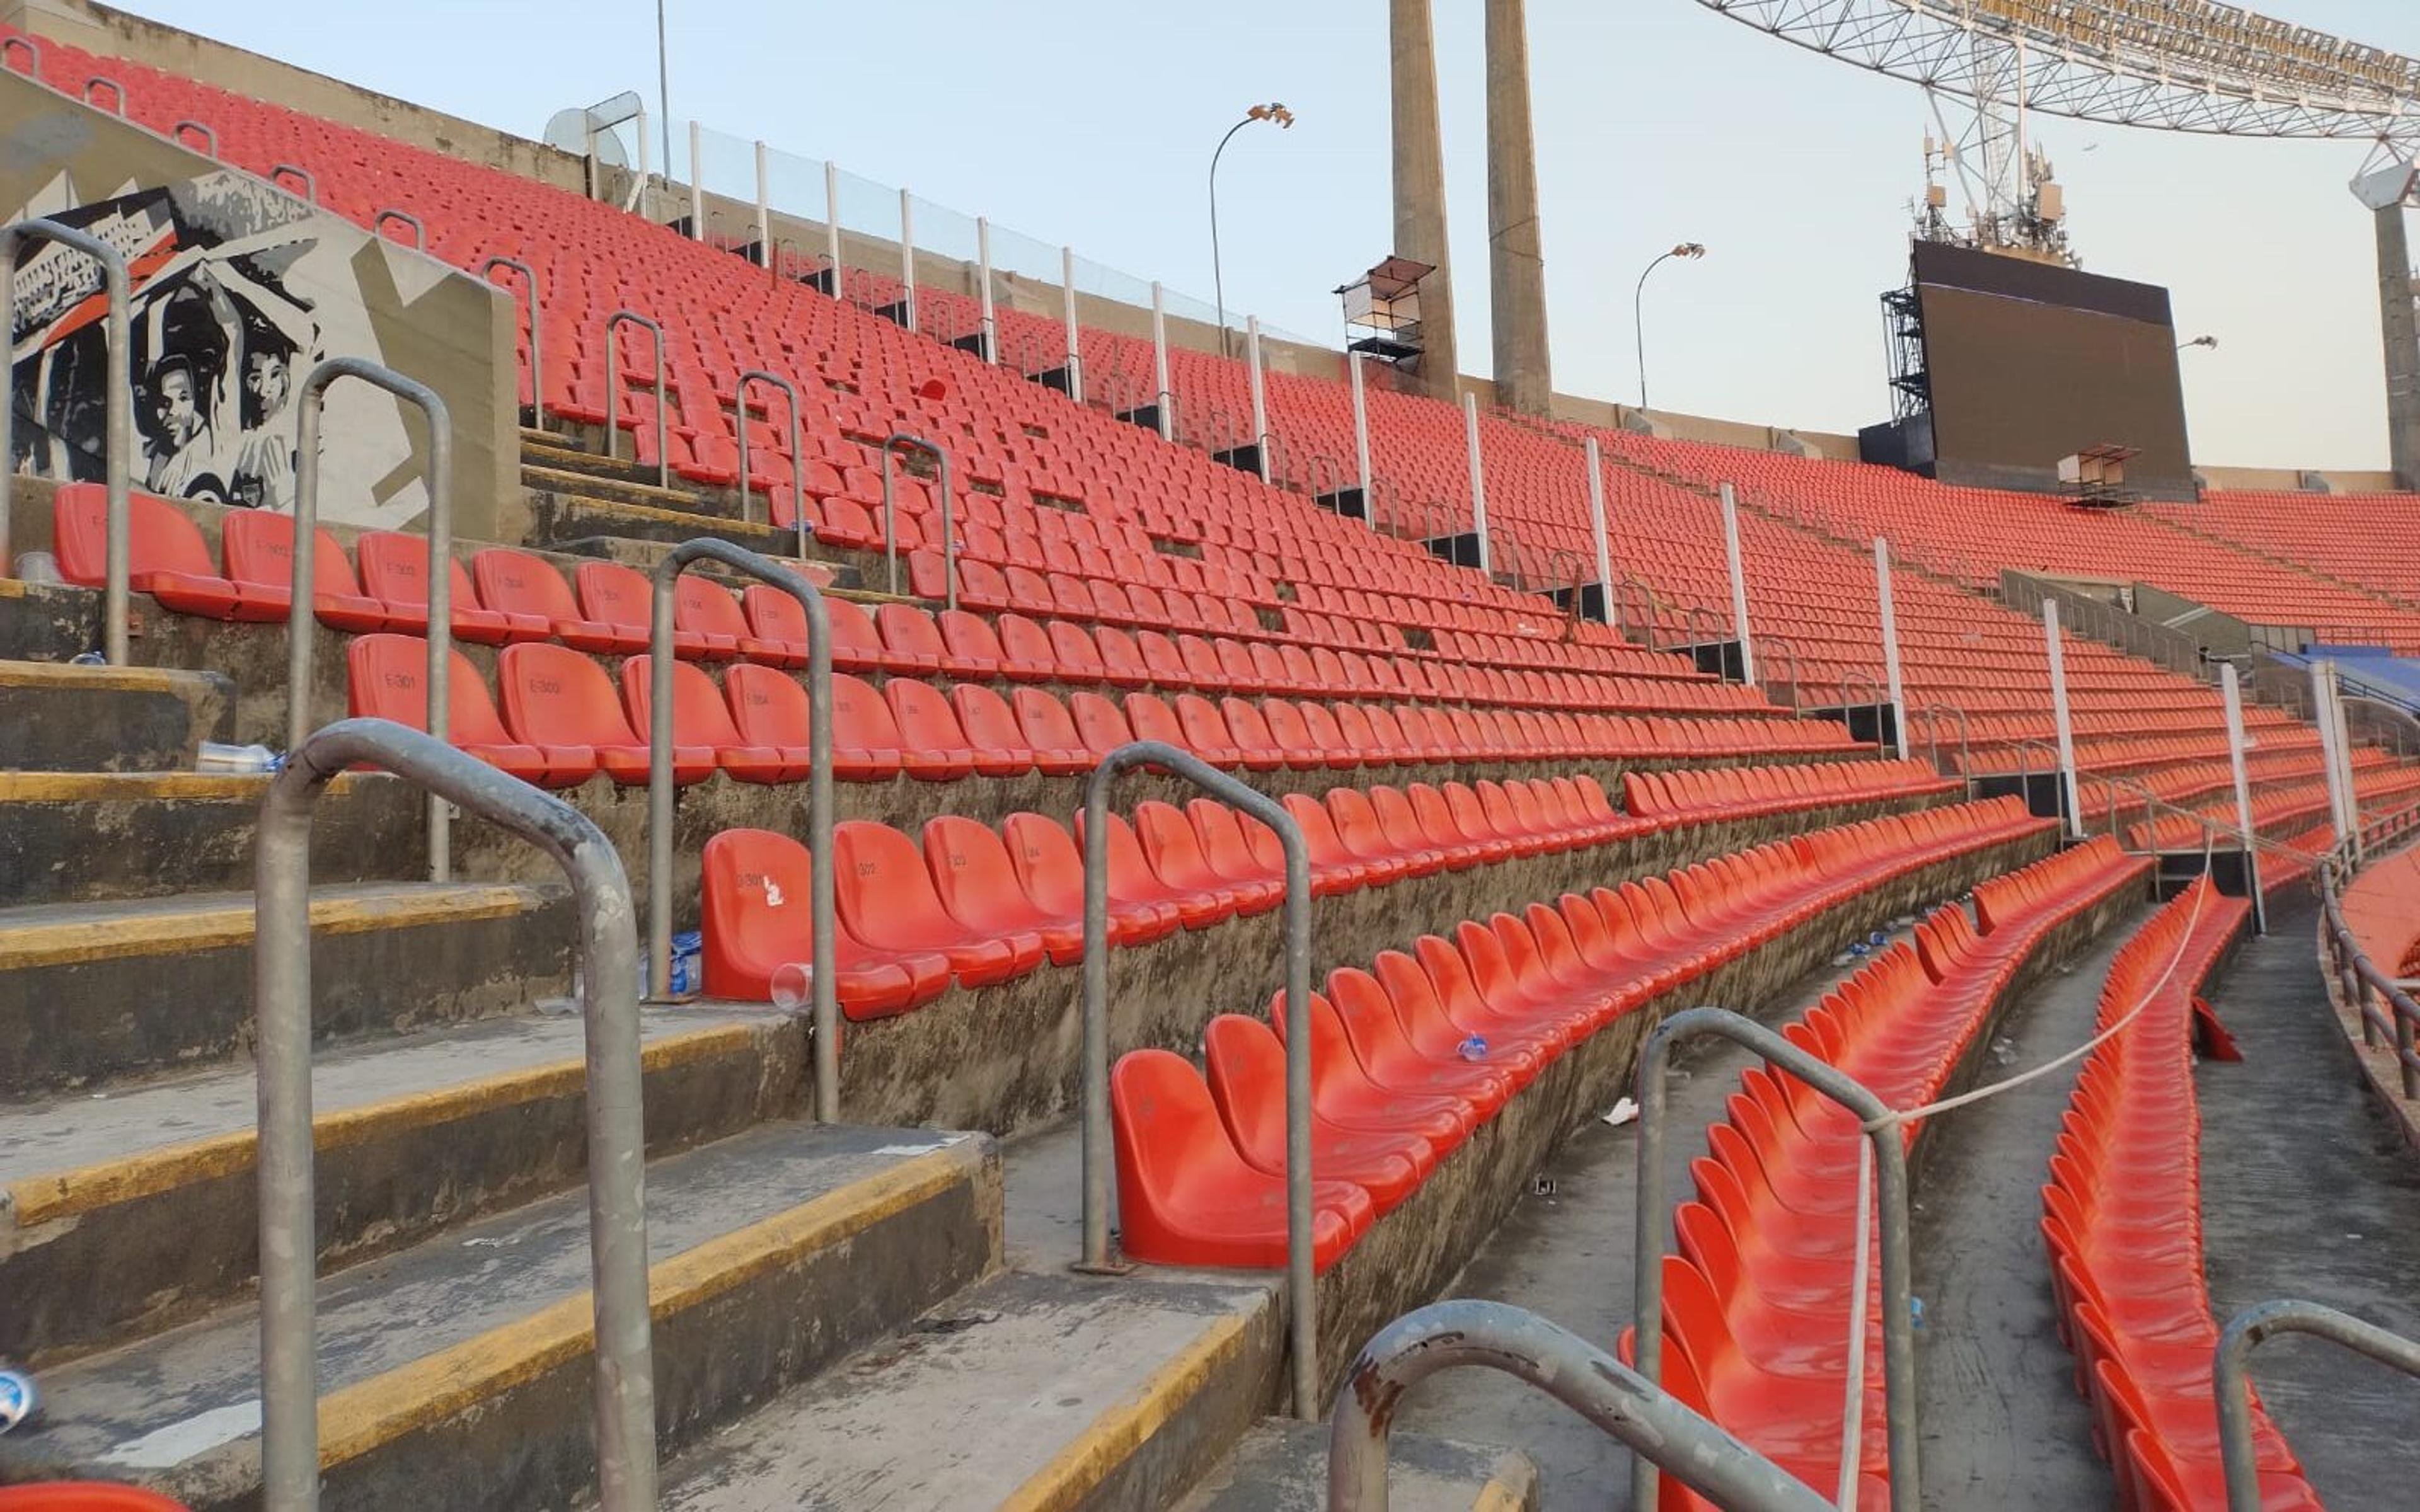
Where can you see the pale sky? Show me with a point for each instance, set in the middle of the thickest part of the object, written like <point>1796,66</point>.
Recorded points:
<point>1091,123</point>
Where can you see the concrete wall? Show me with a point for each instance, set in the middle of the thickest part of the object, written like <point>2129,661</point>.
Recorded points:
<point>227,270</point>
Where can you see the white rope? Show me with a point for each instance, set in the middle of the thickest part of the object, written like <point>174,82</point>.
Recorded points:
<point>1852,1408</point>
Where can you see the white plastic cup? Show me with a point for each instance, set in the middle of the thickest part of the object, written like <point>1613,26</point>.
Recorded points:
<point>793,985</point>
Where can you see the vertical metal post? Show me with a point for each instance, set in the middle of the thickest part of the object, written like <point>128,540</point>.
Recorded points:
<point>831,223</point>
<point>302,620</point>
<point>2231,694</point>
<point>1301,1291</point>
<point>1890,646</point>
<point>1260,393</point>
<point>822,929</point>
<point>613,394</point>
<point>797,473</point>
<point>1075,346</point>
<point>763,210</point>
<point>2323,714</point>
<point>907,261</point>
<point>1477,482</point>
<point>538,359</point>
<point>624,1390</point>
<point>696,183</point>
<point>1361,440</point>
<point>982,294</point>
<point>1597,526</point>
<point>1739,586</point>
<point>891,517</point>
<point>118,413</point>
<point>2231,1377</point>
<point>1163,401</point>
<point>2061,719</point>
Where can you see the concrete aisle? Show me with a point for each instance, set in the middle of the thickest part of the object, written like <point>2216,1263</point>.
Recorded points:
<point>2308,1192</point>
<point>2003,1425</point>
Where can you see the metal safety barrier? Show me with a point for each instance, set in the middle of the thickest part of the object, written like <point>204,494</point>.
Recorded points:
<point>310,179</point>
<point>891,444</point>
<point>404,219</point>
<point>116,94</point>
<point>1788,649</point>
<point>303,623</point>
<point>1492,1336</point>
<point>117,433</point>
<point>607,977</point>
<point>1930,713</point>
<point>1099,1159</point>
<point>32,47</point>
<point>2231,1377</point>
<point>210,135</point>
<point>822,929</point>
<point>1856,678</point>
<point>1891,1194</point>
<point>527,297</point>
<point>2364,986</point>
<point>798,460</point>
<point>613,393</point>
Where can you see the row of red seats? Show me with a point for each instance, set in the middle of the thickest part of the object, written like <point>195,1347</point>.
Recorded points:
<point>1414,1053</point>
<point>2121,1219</point>
<point>755,726</point>
<point>2271,810</point>
<point>1756,1304</point>
<point>1745,791</point>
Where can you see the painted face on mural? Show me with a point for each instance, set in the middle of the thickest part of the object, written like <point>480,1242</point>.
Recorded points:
<point>265,379</point>
<point>176,405</point>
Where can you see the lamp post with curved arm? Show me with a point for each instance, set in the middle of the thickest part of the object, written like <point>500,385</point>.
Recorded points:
<point>1271,111</point>
<point>1638,303</point>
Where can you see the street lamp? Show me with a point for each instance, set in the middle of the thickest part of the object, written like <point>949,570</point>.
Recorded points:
<point>1637,303</point>
<point>2210,342</point>
<point>1271,111</point>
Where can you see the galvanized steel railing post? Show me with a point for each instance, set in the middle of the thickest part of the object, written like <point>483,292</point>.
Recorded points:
<point>1360,438</point>
<point>1478,480</point>
<point>907,261</point>
<point>831,224</point>
<point>1890,1190</point>
<point>1067,302</point>
<point>210,135</point>
<point>891,518</point>
<point>537,361</point>
<point>301,618</point>
<point>607,976</point>
<point>1739,584</point>
<point>822,927</point>
<point>613,393</point>
<point>1891,644</point>
<point>1260,395</point>
<point>2230,1377</point>
<point>405,219</point>
<point>990,326</point>
<point>1301,1294</point>
<point>1162,400</point>
<point>310,180</point>
<point>116,91</point>
<point>797,463</point>
<point>1491,1336</point>
<point>118,426</point>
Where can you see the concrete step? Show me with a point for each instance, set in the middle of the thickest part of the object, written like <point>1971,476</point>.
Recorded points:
<point>561,521</point>
<point>128,1211</point>
<point>1282,1466</point>
<point>552,453</point>
<point>84,837</point>
<point>58,716</point>
<point>456,1374</point>
<point>47,622</point>
<point>619,483</point>
<point>93,993</point>
<point>1036,1389</point>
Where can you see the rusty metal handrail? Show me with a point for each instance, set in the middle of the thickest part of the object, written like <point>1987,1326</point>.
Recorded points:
<point>1098,1156</point>
<point>613,394</point>
<point>606,979</point>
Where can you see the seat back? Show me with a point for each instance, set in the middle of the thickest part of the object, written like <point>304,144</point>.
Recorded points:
<point>862,720</point>
<point>160,537</point>
<point>706,607</point>
<point>755,901</point>
<point>768,708</point>
<point>257,547</point>
<point>386,678</point>
<point>516,582</point>
<point>1245,1064</point>
<point>554,696</point>
<point>394,570</point>
<point>700,716</point>
<point>610,594</point>
<point>1049,866</point>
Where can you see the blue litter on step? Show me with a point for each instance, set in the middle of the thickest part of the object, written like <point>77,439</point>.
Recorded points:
<point>18,1398</point>
<point>1474,1048</point>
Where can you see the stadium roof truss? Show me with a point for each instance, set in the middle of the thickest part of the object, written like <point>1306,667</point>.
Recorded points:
<point>2172,64</point>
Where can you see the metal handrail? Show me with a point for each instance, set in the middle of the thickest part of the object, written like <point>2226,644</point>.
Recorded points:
<point>1321,467</point>
<point>210,135</point>
<point>2359,976</point>
<point>1890,1189</point>
<point>118,426</point>
<point>797,459</point>
<point>2231,1377</point>
<point>891,443</point>
<point>310,180</point>
<point>1788,649</point>
<point>537,363</point>
<point>1494,1336</point>
<point>605,980</point>
<point>406,219</point>
<point>823,931</point>
<point>116,90</point>
<point>302,620</point>
<point>32,47</point>
<point>1302,1300</point>
<point>1933,735</point>
<point>613,394</point>
<point>1854,677</point>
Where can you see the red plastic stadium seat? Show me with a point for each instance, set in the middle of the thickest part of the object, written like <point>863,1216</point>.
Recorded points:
<point>84,1496</point>
<point>165,554</point>
<point>704,608</point>
<point>386,678</point>
<point>1186,1197</point>
<point>755,902</point>
<point>770,708</point>
<point>998,743</point>
<point>1051,867</point>
<point>554,696</point>
<point>932,748</point>
<point>1245,1064</point>
<point>519,583</point>
<point>701,718</point>
<point>258,547</point>
<point>976,878</point>
<point>887,901</point>
<point>394,571</point>
<point>624,597</point>
<point>1050,730</point>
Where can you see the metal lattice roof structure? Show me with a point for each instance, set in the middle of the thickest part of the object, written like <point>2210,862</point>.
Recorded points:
<point>2173,65</point>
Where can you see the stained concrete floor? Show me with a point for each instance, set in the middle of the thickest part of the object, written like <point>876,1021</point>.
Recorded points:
<point>2309,1192</point>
